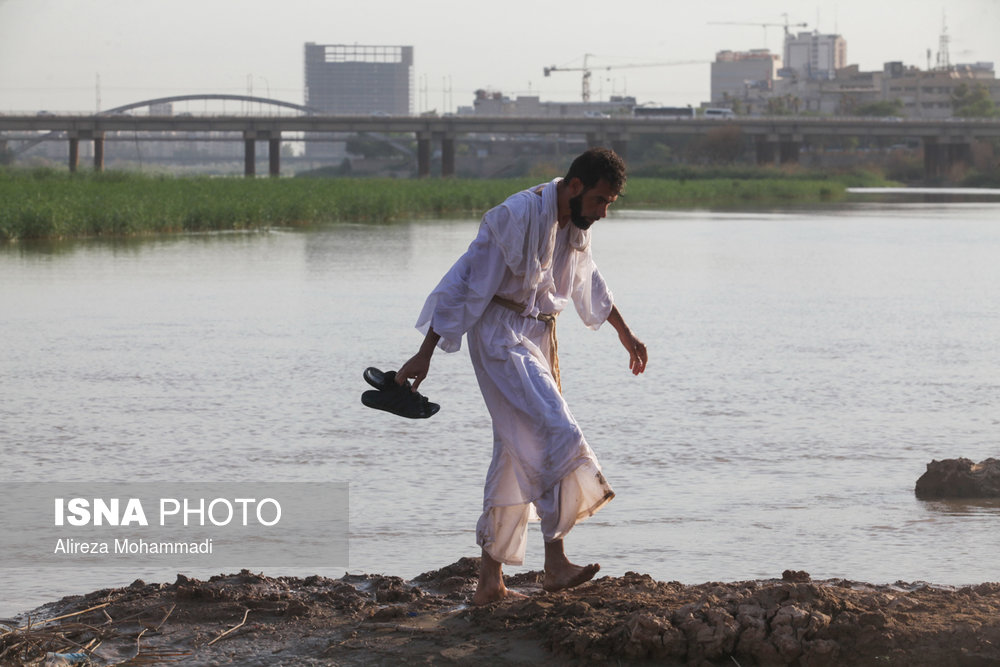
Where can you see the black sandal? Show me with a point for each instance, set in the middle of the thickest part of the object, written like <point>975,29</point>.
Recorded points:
<point>379,379</point>
<point>399,399</point>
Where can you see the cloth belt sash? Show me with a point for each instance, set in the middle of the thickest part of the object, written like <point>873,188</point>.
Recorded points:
<point>550,326</point>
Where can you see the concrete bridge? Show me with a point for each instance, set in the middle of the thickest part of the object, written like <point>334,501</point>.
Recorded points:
<point>776,139</point>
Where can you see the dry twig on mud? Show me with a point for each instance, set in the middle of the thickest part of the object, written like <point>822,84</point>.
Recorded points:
<point>33,640</point>
<point>238,625</point>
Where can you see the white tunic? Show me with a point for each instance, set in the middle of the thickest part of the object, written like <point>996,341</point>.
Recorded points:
<point>540,457</point>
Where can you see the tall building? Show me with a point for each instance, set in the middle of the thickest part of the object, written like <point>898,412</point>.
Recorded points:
<point>742,75</point>
<point>810,55</point>
<point>352,79</point>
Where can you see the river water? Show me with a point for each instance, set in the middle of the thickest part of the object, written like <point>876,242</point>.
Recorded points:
<point>805,365</point>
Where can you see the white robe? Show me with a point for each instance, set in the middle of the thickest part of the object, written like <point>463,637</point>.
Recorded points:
<point>541,461</point>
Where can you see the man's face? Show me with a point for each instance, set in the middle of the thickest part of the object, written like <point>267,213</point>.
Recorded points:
<point>591,204</point>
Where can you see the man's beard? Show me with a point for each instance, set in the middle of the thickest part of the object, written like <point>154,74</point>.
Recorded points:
<point>576,212</point>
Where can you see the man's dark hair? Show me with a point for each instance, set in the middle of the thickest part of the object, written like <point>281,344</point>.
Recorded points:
<point>595,164</point>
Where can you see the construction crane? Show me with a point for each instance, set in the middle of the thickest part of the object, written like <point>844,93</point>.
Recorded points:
<point>587,70</point>
<point>786,25</point>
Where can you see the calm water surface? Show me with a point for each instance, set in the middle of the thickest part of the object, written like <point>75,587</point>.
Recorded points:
<point>805,365</point>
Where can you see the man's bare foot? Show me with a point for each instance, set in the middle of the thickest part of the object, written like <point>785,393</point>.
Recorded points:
<point>568,576</point>
<point>488,594</point>
<point>491,587</point>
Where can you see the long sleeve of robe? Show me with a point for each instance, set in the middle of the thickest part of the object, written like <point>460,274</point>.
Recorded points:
<point>541,461</point>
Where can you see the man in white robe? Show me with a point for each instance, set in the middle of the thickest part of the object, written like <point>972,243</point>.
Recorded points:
<point>530,259</point>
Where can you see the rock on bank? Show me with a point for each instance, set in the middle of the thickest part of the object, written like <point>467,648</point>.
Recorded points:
<point>959,478</point>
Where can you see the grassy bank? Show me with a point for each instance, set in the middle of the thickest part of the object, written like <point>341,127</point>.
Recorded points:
<point>47,204</point>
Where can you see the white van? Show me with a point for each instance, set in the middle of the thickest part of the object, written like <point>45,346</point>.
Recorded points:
<point>719,113</point>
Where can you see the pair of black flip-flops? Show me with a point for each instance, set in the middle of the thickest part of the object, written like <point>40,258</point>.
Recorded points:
<point>399,399</point>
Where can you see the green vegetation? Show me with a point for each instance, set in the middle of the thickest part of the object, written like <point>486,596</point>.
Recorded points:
<point>50,204</point>
<point>46,204</point>
<point>973,102</point>
<point>885,108</point>
<point>981,179</point>
<point>680,172</point>
<point>642,192</point>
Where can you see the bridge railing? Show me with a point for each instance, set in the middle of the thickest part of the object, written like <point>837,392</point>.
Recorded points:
<point>775,135</point>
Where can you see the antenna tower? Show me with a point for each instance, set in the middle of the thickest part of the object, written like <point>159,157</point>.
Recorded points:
<point>943,59</point>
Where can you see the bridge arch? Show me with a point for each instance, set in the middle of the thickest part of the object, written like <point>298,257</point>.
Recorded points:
<point>309,111</point>
<point>209,97</point>
<point>306,110</point>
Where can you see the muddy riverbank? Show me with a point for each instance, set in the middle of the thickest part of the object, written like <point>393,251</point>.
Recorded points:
<point>249,619</point>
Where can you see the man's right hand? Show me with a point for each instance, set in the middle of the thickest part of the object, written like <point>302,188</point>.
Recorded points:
<point>415,368</point>
<point>418,365</point>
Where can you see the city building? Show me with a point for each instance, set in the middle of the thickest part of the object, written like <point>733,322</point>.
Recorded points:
<point>743,74</point>
<point>919,93</point>
<point>495,103</point>
<point>810,55</point>
<point>355,80</point>
<point>352,79</point>
<point>815,79</point>
<point>929,94</point>
<point>848,91</point>
<point>759,82</point>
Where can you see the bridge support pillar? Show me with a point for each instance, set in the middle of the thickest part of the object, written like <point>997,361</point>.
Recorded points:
<point>766,148</point>
<point>74,153</point>
<point>941,156</point>
<point>274,155</point>
<point>423,155</point>
<point>596,140</point>
<point>788,149</point>
<point>98,151</point>
<point>447,156</point>
<point>934,158</point>
<point>250,138</point>
<point>249,155</point>
<point>619,144</point>
<point>961,152</point>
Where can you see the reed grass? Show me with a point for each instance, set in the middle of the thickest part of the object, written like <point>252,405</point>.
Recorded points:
<point>727,192</point>
<point>47,204</point>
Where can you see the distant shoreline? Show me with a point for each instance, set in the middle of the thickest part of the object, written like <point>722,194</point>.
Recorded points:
<point>918,191</point>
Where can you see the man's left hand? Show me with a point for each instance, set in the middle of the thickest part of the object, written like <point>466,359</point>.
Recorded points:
<point>636,348</point>
<point>636,351</point>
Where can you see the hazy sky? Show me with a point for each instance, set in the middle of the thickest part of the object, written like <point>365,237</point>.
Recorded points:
<point>52,52</point>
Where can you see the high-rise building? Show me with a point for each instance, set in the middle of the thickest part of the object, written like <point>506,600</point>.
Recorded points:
<point>742,75</point>
<point>352,79</point>
<point>810,55</point>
